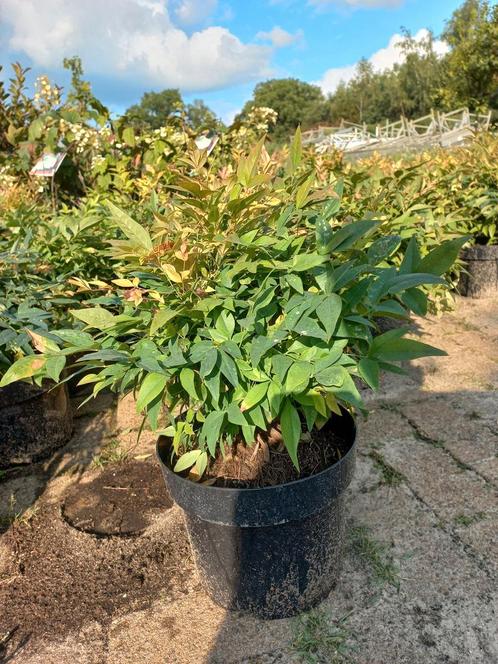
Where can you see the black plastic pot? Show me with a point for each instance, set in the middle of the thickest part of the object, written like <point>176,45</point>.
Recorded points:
<point>34,422</point>
<point>274,551</point>
<point>481,277</point>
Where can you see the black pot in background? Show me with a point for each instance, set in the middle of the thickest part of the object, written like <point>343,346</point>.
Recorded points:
<point>274,551</point>
<point>34,421</point>
<point>481,279</point>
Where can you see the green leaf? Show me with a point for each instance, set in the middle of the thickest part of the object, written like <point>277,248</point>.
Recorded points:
<point>369,371</point>
<point>229,369</point>
<point>213,385</point>
<point>441,259</point>
<point>54,365</point>
<point>309,328</point>
<point>291,430</point>
<point>208,362</point>
<point>160,319</point>
<point>235,415</point>
<point>295,282</point>
<point>348,391</point>
<point>281,364</point>
<point>26,367</point>
<point>254,395</point>
<point>275,396</point>
<point>151,387</point>
<point>129,136</point>
<point>303,190</point>
<point>211,429</point>
<point>411,259</point>
<point>298,377</point>
<point>133,231</point>
<point>188,382</point>
<point>259,346</point>
<point>406,281</point>
<point>99,318</point>
<point>328,313</point>
<point>201,464</point>
<point>382,248</point>
<point>225,324</point>
<point>187,460</point>
<point>76,338</point>
<point>389,349</point>
<point>349,234</point>
<point>257,417</point>
<point>295,151</point>
<point>330,376</point>
<point>323,234</point>
<point>415,300</point>
<point>35,130</point>
<point>305,262</point>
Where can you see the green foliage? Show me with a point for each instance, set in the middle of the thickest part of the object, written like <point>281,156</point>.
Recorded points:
<point>247,302</point>
<point>472,64</point>
<point>296,103</point>
<point>155,109</point>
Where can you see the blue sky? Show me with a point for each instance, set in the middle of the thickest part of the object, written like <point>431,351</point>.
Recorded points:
<point>216,50</point>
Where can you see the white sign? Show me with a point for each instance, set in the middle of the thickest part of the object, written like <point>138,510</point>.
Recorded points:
<point>48,164</point>
<point>206,143</point>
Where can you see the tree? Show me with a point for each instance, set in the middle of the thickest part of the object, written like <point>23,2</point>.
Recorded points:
<point>200,117</point>
<point>155,108</point>
<point>420,76</point>
<point>80,94</point>
<point>472,64</point>
<point>296,102</point>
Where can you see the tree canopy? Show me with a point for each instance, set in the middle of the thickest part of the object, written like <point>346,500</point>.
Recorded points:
<point>156,108</point>
<point>296,102</point>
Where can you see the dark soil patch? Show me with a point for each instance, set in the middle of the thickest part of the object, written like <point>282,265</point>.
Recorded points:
<point>54,579</point>
<point>267,463</point>
<point>121,500</point>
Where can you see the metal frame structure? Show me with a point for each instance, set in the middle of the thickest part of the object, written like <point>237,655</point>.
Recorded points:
<point>436,128</point>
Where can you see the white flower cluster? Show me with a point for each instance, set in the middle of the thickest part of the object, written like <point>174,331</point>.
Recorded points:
<point>97,160</point>
<point>7,181</point>
<point>255,124</point>
<point>46,95</point>
<point>105,132</point>
<point>261,117</point>
<point>84,137</point>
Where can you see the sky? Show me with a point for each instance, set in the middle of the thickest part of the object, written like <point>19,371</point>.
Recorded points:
<point>215,50</point>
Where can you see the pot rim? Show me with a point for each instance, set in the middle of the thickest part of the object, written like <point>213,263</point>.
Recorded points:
<point>294,483</point>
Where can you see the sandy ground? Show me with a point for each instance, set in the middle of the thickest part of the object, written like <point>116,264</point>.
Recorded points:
<point>420,577</point>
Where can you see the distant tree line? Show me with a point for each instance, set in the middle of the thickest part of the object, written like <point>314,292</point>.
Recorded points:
<point>466,76</point>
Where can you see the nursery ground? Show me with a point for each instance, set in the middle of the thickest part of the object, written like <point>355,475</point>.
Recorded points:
<point>95,566</point>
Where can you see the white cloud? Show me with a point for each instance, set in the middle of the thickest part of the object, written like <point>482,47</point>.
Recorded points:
<point>133,38</point>
<point>280,38</point>
<point>384,58</point>
<point>193,12</point>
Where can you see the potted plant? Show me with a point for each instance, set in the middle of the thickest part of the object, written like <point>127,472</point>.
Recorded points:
<point>465,188</point>
<point>244,327</point>
<point>35,418</point>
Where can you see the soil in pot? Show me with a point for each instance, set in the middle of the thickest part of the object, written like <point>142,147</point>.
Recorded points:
<point>267,463</point>
<point>481,276</point>
<point>34,422</point>
<point>272,549</point>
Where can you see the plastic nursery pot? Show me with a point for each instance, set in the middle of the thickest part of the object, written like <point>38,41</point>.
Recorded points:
<point>274,551</point>
<point>481,279</point>
<point>34,421</point>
